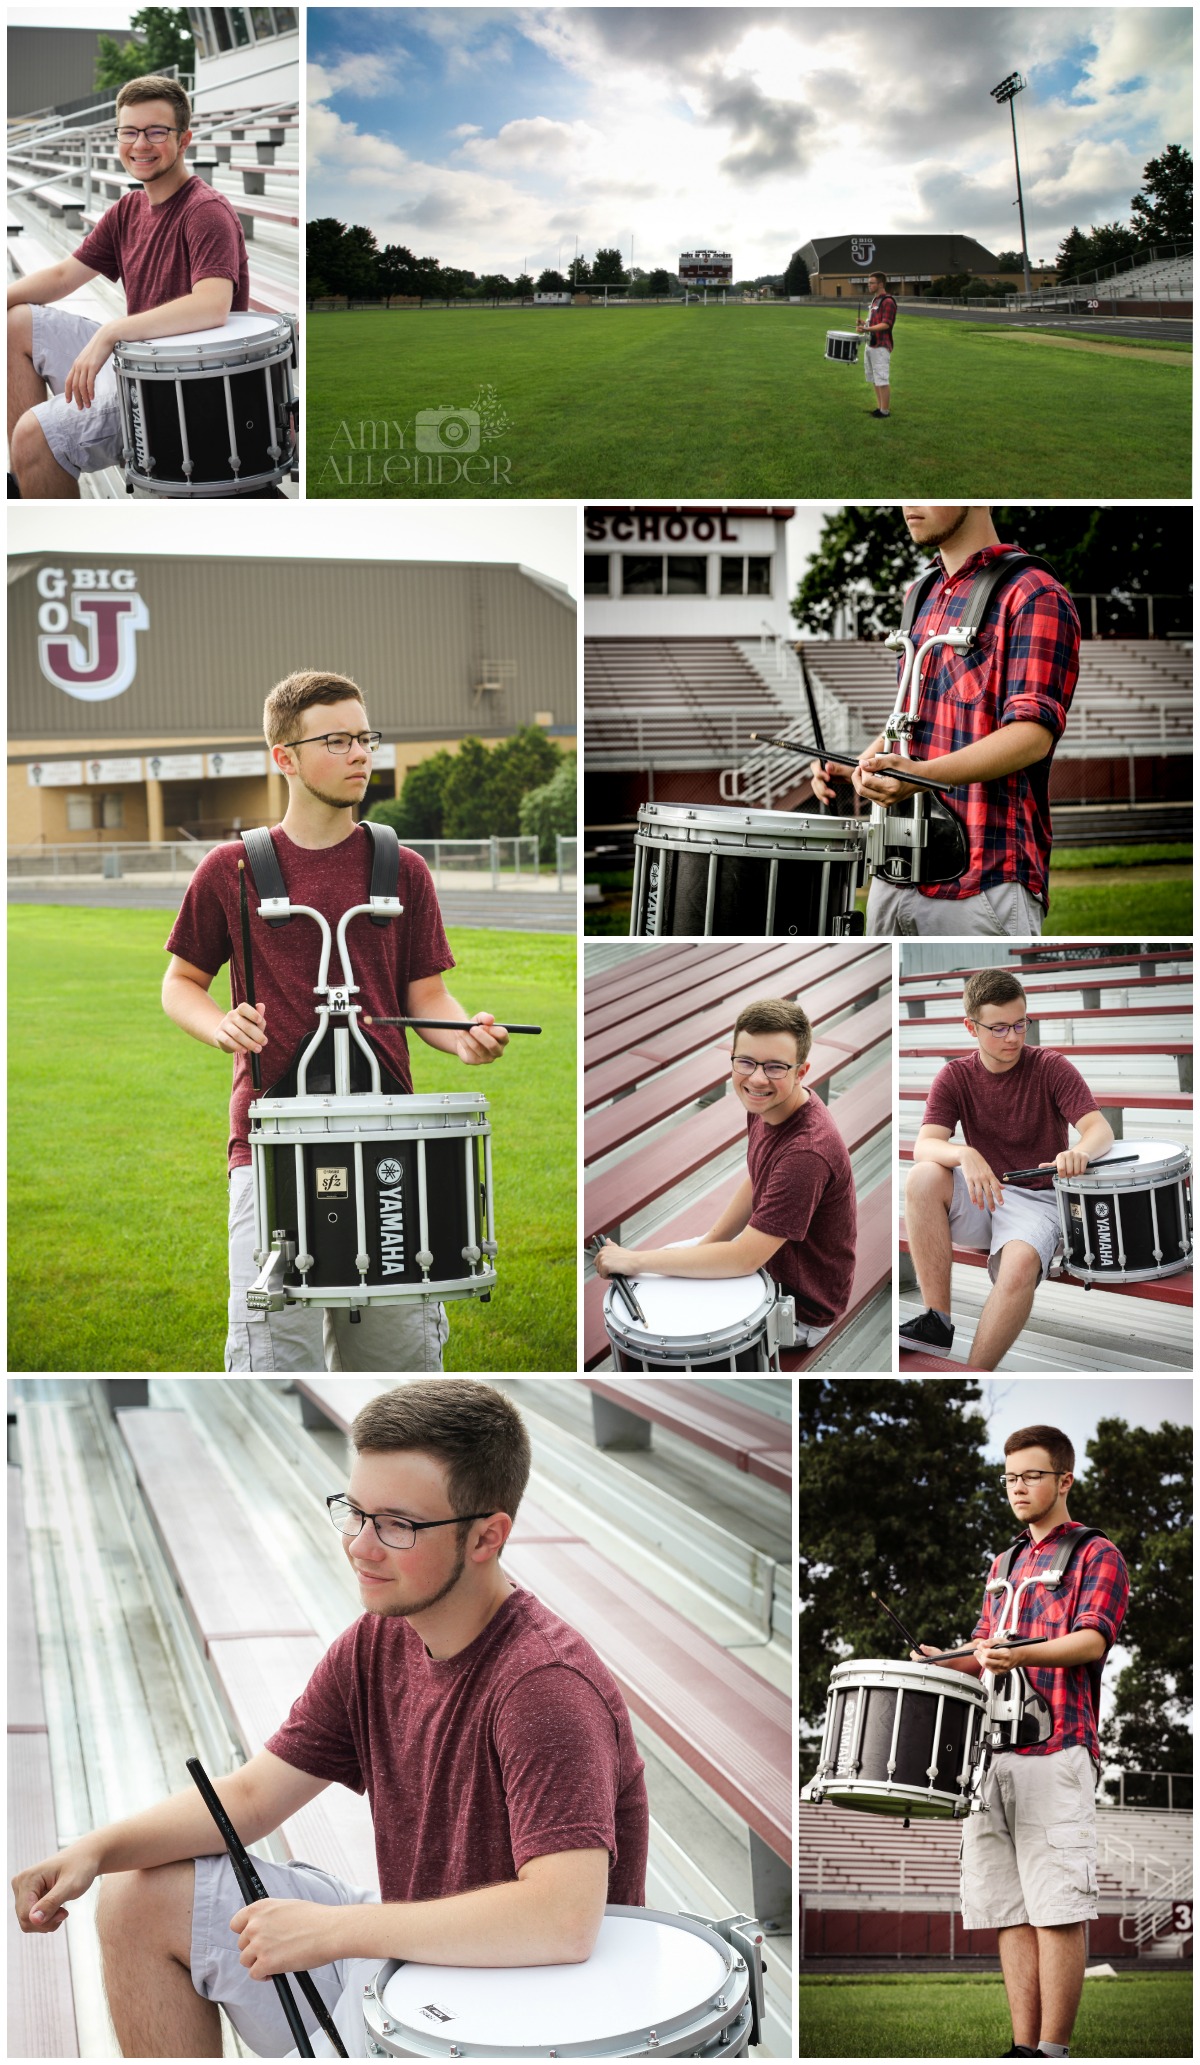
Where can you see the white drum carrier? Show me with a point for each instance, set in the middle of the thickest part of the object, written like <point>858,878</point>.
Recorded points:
<point>730,1322</point>
<point>210,412</point>
<point>363,1197</point>
<point>656,1985</point>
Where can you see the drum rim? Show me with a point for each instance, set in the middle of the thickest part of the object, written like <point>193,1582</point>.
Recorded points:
<point>1135,1175</point>
<point>697,2022</point>
<point>720,815</point>
<point>157,350</point>
<point>368,1103</point>
<point>954,1684</point>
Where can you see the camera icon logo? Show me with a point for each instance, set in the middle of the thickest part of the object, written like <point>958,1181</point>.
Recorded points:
<point>446,430</point>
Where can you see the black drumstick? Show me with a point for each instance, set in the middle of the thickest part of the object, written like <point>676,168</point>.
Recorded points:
<point>252,1889</point>
<point>600,1240</point>
<point>1005,1642</point>
<point>910,1639</point>
<point>801,750</point>
<point>1109,1162</point>
<point>453,1025</point>
<point>248,965</point>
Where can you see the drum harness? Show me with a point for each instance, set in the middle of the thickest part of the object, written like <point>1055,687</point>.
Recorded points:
<point>929,843</point>
<point>1017,1716</point>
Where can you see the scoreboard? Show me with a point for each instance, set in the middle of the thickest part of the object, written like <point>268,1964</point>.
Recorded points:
<point>706,268</point>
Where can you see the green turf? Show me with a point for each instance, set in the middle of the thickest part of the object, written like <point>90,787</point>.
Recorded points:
<point>935,2015</point>
<point>117,1131</point>
<point>674,402</point>
<point>1121,856</point>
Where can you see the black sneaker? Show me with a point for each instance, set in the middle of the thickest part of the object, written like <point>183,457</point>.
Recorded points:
<point>885,416</point>
<point>931,1336</point>
<point>1020,2050</point>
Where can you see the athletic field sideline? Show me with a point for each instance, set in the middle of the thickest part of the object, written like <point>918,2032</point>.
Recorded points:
<point>920,2015</point>
<point>117,1130</point>
<point>735,400</point>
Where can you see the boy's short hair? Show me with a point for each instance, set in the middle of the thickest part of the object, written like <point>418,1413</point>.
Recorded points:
<point>880,276</point>
<point>1052,1439</point>
<point>990,986</point>
<point>473,1430</point>
<point>152,87</point>
<point>776,1015</point>
<point>290,698</point>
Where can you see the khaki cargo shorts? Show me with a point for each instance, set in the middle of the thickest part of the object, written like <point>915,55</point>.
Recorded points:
<point>1029,1855</point>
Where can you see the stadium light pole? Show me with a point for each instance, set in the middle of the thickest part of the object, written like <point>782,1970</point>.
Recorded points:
<point>1008,90</point>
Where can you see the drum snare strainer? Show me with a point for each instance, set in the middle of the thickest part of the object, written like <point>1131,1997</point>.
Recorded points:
<point>655,1985</point>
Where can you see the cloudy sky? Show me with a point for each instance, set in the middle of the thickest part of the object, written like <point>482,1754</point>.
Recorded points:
<point>493,138</point>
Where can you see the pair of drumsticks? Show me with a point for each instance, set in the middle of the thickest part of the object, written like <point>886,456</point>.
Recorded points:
<point>1005,1642</point>
<point>601,1240</point>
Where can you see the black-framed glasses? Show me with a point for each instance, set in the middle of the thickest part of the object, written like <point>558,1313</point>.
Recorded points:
<point>155,135</point>
<point>341,741</point>
<point>1029,1477</point>
<point>998,1032</point>
<point>391,1530</point>
<point>745,1065</point>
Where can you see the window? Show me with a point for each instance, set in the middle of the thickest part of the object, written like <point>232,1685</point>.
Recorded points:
<point>595,573</point>
<point>262,23</point>
<point>687,576</point>
<point>641,576</point>
<point>745,576</point>
<point>241,28</point>
<point>200,28</point>
<point>220,22</point>
<point>286,20</point>
<point>80,816</point>
<point>733,576</point>
<point>758,577</point>
<point>112,810</point>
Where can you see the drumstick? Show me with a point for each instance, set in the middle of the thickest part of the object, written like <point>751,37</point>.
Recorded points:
<point>453,1025</point>
<point>600,1240</point>
<point>801,750</point>
<point>910,1639</point>
<point>1002,1642</point>
<point>1112,1162</point>
<point>248,965</point>
<point>252,1889</point>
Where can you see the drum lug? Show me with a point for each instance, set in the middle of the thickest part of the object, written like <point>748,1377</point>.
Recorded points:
<point>268,1293</point>
<point>471,1255</point>
<point>424,1261</point>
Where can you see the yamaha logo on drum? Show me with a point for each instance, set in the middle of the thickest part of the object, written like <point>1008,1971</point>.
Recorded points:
<point>390,1175</point>
<point>1104,1239</point>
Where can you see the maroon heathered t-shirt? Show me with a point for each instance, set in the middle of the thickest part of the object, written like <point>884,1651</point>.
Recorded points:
<point>159,254</point>
<point>1014,1120</point>
<point>803,1188</point>
<point>383,959</point>
<point>518,1747</point>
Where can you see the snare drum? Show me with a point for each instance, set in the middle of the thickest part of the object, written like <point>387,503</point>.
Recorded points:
<point>729,1322</point>
<point>702,869</point>
<point>656,1985</point>
<point>843,346</point>
<point>1126,1224</point>
<point>209,413</point>
<point>899,1738</point>
<point>373,1197</point>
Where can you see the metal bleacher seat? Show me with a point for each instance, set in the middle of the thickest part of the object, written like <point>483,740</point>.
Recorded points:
<point>657,1027</point>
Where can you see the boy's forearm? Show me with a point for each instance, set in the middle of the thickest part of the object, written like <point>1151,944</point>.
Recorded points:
<point>175,1828</point>
<point>512,1924</point>
<point>174,318</point>
<point>192,1009</point>
<point>37,288</point>
<point>989,759</point>
<point>735,1218</point>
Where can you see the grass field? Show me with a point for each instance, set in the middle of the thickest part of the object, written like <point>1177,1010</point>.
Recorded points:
<point>940,2015</point>
<point>737,400</point>
<point>117,1131</point>
<point>1106,889</point>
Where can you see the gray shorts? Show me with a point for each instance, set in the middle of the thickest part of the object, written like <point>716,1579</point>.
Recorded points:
<point>1028,1215</point>
<point>1005,911</point>
<point>1029,1856</point>
<point>403,1337</point>
<point>877,365</point>
<point>252,2005</point>
<point>81,440</point>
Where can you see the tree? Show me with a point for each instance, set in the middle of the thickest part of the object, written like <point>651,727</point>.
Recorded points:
<point>166,44</point>
<point>578,273</point>
<point>1163,212</point>
<point>324,239</point>
<point>523,285</point>
<point>607,269</point>
<point>525,761</point>
<point>551,810</point>
<point>1111,240</point>
<point>396,271</point>
<point>358,263</point>
<point>551,282</point>
<point>860,551</point>
<point>418,811</point>
<point>795,279</point>
<point>497,286</point>
<point>1009,261</point>
<point>1074,254</point>
<point>466,797</point>
<point>660,280</point>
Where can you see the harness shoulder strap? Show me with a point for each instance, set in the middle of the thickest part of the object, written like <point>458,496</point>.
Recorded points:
<point>995,575</point>
<point>917,597</point>
<point>266,873</point>
<point>385,865</point>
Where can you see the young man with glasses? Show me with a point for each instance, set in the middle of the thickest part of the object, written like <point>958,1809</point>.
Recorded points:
<point>1014,1103</point>
<point>794,1212</point>
<point>174,243</point>
<point>495,1748</point>
<point>1028,1865</point>
<point>317,731</point>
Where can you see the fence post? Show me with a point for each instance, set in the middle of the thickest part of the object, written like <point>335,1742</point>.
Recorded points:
<point>494,858</point>
<point>437,862</point>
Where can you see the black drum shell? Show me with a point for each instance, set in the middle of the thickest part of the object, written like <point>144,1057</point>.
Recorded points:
<point>160,437</point>
<point>1091,1221</point>
<point>679,875</point>
<point>914,1747</point>
<point>331,1216</point>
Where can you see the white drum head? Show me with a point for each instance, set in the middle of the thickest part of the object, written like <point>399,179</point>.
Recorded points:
<point>642,1971</point>
<point>1154,1158</point>
<point>236,329</point>
<point>690,1306</point>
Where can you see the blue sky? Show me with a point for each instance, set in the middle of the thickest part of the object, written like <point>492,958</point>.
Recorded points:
<point>492,137</point>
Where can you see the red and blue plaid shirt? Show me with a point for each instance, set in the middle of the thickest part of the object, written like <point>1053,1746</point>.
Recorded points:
<point>880,317</point>
<point>1022,669</point>
<point>1093,1594</point>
